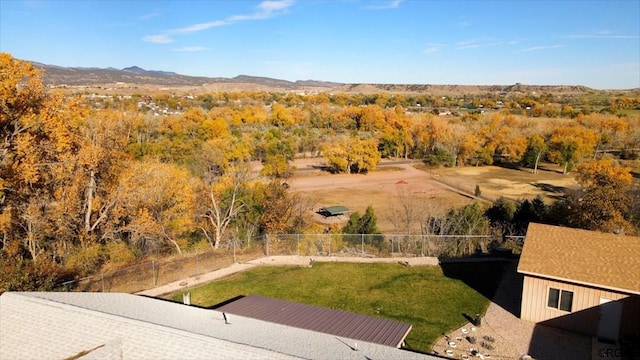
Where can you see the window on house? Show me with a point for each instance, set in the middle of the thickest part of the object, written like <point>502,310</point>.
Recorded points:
<point>554,298</point>
<point>560,299</point>
<point>566,300</point>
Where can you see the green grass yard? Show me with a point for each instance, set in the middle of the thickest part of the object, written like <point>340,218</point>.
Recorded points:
<point>422,296</point>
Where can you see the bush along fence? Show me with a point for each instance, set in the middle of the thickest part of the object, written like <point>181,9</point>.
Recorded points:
<point>379,245</point>
<point>152,273</point>
<point>156,272</point>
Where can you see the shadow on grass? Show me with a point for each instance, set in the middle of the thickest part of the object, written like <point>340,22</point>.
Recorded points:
<point>482,276</point>
<point>508,165</point>
<point>497,280</point>
<point>551,188</point>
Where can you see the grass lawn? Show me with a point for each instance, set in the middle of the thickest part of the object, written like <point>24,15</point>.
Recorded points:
<point>422,296</point>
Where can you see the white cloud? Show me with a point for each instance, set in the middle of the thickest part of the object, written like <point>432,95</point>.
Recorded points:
<point>468,46</point>
<point>36,4</point>
<point>274,5</point>
<point>478,43</point>
<point>433,48</point>
<point>189,49</point>
<point>605,34</point>
<point>537,48</point>
<point>149,16</point>
<point>158,39</point>
<point>393,4</point>
<point>199,27</point>
<point>266,9</point>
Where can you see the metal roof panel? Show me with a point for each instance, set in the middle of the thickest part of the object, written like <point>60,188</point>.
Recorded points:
<point>328,321</point>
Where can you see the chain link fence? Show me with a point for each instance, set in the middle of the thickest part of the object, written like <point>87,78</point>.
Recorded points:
<point>376,245</point>
<point>157,272</point>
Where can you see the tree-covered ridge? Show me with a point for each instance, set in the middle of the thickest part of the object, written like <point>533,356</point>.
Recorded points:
<point>88,180</point>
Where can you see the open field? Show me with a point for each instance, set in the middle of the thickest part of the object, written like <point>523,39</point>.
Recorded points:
<point>381,189</point>
<point>522,183</point>
<point>396,182</point>
<point>431,298</point>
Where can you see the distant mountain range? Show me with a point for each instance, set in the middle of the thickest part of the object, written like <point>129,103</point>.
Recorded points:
<point>81,76</point>
<point>135,76</point>
<point>141,71</point>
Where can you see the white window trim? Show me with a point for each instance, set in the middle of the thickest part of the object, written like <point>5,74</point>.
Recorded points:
<point>560,292</point>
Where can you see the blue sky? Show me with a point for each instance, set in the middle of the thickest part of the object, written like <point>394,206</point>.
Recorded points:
<point>563,42</point>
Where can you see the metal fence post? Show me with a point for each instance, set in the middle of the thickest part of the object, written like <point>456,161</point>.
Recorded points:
<point>153,272</point>
<point>362,246</point>
<point>197,263</point>
<point>298,245</point>
<point>266,244</point>
<point>234,250</point>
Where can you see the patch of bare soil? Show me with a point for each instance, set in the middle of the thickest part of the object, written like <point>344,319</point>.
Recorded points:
<point>383,189</point>
<point>387,188</point>
<point>518,183</point>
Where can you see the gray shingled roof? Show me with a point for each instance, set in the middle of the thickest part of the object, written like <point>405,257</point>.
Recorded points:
<point>52,325</point>
<point>329,321</point>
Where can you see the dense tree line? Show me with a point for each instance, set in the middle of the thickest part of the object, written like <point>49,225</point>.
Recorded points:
<point>84,182</point>
<point>531,104</point>
<point>355,138</point>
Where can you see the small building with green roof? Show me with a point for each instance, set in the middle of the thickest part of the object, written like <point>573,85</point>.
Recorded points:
<point>333,210</point>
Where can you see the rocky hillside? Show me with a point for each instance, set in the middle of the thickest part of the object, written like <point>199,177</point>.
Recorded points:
<point>466,89</point>
<point>136,77</point>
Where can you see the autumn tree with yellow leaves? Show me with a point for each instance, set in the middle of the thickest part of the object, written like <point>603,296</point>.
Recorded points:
<point>223,204</point>
<point>83,183</point>
<point>352,155</point>
<point>39,139</point>
<point>569,144</point>
<point>604,202</point>
<point>69,188</point>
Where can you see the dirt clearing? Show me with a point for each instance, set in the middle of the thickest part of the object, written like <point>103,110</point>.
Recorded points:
<point>516,183</point>
<point>396,181</point>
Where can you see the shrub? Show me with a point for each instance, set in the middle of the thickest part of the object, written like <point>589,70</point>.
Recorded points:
<point>438,157</point>
<point>119,253</point>
<point>86,260</point>
<point>27,276</point>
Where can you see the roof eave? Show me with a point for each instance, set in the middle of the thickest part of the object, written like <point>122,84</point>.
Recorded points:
<point>399,344</point>
<point>606,287</point>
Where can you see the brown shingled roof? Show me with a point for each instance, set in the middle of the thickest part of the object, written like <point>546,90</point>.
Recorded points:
<point>591,258</point>
<point>329,321</point>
